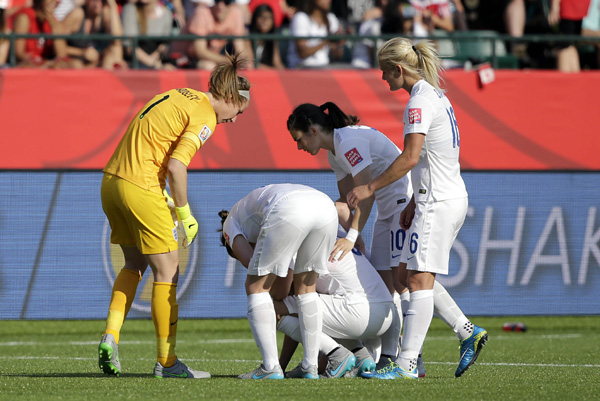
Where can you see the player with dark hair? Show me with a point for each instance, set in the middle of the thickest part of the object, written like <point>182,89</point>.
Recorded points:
<point>264,230</point>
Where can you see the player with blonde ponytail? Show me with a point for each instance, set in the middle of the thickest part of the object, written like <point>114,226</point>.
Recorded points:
<point>438,207</point>
<point>158,145</point>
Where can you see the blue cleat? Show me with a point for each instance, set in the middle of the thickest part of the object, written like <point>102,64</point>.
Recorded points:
<point>364,361</point>
<point>340,361</point>
<point>470,348</point>
<point>392,371</point>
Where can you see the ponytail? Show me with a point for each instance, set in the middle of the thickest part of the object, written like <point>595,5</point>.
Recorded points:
<point>419,61</point>
<point>225,83</point>
<point>308,114</point>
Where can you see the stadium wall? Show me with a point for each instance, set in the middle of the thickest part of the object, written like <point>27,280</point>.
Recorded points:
<point>530,244</point>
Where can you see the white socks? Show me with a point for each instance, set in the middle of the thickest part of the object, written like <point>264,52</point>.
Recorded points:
<point>390,340</point>
<point>446,309</point>
<point>310,316</point>
<point>261,316</point>
<point>416,323</point>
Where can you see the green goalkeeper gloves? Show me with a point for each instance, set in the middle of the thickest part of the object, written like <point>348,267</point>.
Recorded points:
<point>189,225</point>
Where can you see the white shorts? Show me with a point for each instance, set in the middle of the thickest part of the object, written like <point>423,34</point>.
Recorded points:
<point>432,233</point>
<point>302,223</point>
<point>356,321</point>
<point>387,243</point>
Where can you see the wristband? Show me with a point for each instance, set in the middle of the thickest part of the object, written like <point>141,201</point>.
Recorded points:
<point>352,235</point>
<point>183,212</point>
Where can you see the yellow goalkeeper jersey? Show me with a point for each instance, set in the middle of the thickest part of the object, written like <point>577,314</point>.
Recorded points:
<point>173,124</point>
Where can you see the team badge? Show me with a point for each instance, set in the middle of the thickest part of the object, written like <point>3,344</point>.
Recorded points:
<point>353,157</point>
<point>205,134</point>
<point>414,116</point>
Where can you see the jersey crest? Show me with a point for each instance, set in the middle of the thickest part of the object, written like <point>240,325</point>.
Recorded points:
<point>205,133</point>
<point>353,157</point>
<point>414,116</point>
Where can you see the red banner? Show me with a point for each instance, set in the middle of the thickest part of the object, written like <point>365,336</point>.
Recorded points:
<point>73,119</point>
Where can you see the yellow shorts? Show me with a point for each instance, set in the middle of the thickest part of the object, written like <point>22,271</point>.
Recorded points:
<point>137,216</point>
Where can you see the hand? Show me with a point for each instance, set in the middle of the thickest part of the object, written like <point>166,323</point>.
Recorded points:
<point>91,55</point>
<point>341,248</point>
<point>359,193</point>
<point>188,224</point>
<point>170,201</point>
<point>407,215</point>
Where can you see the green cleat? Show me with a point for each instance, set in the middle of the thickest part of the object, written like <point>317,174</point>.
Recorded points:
<point>108,356</point>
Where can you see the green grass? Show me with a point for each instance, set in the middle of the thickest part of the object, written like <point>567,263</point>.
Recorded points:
<point>558,358</point>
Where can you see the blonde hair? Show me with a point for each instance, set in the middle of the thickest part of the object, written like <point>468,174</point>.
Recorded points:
<point>225,83</point>
<point>418,61</point>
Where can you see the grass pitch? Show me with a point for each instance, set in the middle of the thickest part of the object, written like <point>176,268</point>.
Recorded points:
<point>558,358</point>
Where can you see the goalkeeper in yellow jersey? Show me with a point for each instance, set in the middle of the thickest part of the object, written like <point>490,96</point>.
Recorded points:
<point>158,145</point>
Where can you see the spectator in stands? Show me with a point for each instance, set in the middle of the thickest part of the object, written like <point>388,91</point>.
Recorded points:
<point>568,16</point>
<point>389,19</point>
<point>281,10</point>
<point>147,17</point>
<point>64,7</point>
<point>4,43</point>
<point>267,51</point>
<point>178,10</point>
<point>210,17</point>
<point>39,52</point>
<point>591,26</point>
<point>96,16</point>
<point>432,15</point>
<point>314,19</point>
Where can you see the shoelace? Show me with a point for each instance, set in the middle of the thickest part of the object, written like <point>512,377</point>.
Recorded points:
<point>388,368</point>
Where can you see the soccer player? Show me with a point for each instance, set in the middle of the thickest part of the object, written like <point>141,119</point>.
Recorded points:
<point>159,143</point>
<point>356,306</point>
<point>439,203</point>
<point>356,153</point>
<point>264,230</point>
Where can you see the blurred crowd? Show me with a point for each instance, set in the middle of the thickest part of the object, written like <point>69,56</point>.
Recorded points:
<point>167,20</point>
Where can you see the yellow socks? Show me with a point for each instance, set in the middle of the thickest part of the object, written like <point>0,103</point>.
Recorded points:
<point>123,294</point>
<point>165,313</point>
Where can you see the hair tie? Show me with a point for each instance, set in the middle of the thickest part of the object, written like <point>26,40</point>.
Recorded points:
<point>245,94</point>
<point>414,49</point>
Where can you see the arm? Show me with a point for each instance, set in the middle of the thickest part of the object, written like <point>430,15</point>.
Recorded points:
<point>445,23</point>
<point>242,249</point>
<point>202,52</point>
<point>177,172</point>
<point>21,25</point>
<point>398,169</point>
<point>360,217</point>
<point>554,14</point>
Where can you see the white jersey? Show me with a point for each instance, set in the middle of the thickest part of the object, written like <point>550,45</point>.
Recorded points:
<point>282,220</point>
<point>358,147</point>
<point>355,279</point>
<point>436,176</point>
<point>248,214</point>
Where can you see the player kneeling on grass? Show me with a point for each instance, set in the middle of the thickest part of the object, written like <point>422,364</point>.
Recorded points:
<point>159,144</point>
<point>356,307</point>
<point>264,230</point>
